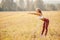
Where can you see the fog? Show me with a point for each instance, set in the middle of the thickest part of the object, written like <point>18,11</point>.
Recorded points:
<point>29,5</point>
<point>51,1</point>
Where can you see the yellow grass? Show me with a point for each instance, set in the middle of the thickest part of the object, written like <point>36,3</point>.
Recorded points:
<point>23,26</point>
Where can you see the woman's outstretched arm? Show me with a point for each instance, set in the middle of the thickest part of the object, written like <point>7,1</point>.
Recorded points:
<point>34,13</point>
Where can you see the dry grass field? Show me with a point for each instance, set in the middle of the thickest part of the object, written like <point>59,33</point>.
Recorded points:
<point>24,26</point>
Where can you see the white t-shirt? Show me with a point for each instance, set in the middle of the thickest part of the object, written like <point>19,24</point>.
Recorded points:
<point>41,17</point>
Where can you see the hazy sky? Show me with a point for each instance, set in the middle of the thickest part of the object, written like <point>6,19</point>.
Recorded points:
<point>47,1</point>
<point>51,1</point>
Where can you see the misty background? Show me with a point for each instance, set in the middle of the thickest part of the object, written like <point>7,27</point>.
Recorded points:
<point>29,5</point>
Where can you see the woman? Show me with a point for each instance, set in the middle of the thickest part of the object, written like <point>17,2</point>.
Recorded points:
<point>46,21</point>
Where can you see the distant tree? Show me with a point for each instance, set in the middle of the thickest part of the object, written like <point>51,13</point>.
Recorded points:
<point>1,9</point>
<point>39,4</point>
<point>50,7</point>
<point>21,2</point>
<point>7,5</point>
<point>53,7</point>
<point>58,6</point>
<point>27,5</point>
<point>30,5</point>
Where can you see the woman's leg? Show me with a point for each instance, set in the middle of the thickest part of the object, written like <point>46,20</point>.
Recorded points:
<point>47,23</point>
<point>43,28</point>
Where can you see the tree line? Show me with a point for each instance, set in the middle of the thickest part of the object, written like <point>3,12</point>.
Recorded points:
<point>27,5</point>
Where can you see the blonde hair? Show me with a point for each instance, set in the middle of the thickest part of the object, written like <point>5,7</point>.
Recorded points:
<point>39,10</point>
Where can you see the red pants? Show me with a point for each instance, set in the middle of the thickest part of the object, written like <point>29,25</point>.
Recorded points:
<point>45,26</point>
